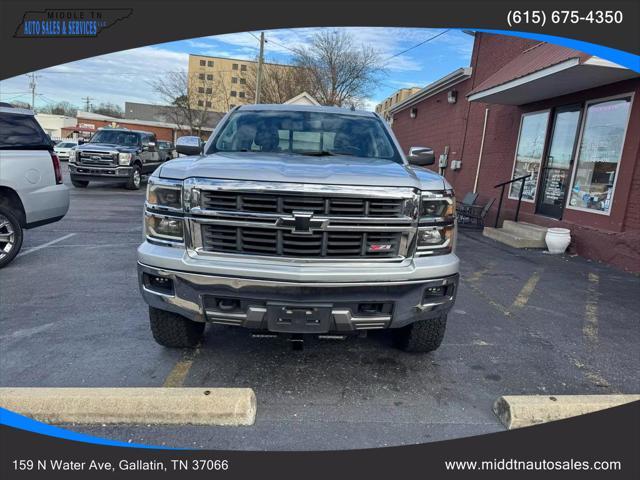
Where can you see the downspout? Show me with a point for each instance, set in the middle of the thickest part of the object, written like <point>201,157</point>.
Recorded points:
<point>484,131</point>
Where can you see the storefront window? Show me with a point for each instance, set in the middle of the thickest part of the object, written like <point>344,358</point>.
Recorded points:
<point>599,154</point>
<point>533,131</point>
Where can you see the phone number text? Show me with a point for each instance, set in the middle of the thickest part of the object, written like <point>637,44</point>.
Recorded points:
<point>541,17</point>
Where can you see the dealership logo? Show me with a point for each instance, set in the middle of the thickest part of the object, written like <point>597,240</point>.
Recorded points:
<point>302,223</point>
<point>66,23</point>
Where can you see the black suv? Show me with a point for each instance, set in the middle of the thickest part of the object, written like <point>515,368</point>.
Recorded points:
<point>115,155</point>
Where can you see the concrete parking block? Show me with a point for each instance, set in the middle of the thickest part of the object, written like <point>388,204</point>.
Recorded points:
<point>516,411</point>
<point>155,406</point>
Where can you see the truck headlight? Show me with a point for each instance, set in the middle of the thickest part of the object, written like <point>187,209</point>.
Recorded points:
<point>164,194</point>
<point>162,227</point>
<point>72,156</point>
<point>124,158</point>
<point>437,226</point>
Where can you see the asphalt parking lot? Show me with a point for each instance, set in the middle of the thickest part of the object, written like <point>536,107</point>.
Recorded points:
<point>524,323</point>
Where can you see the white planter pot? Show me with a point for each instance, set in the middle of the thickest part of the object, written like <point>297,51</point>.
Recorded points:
<point>558,239</point>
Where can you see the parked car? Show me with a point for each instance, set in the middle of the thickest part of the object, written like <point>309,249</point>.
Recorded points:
<point>115,155</point>
<point>62,148</point>
<point>32,192</point>
<point>299,220</point>
<point>167,150</point>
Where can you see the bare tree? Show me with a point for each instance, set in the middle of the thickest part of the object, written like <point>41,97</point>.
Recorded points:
<point>110,109</point>
<point>339,72</point>
<point>60,108</point>
<point>192,96</point>
<point>279,83</point>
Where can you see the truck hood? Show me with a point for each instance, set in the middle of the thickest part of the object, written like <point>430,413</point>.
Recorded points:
<point>279,167</point>
<point>101,147</point>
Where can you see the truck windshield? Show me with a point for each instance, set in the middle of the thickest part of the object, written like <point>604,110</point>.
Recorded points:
<point>116,137</point>
<point>305,133</point>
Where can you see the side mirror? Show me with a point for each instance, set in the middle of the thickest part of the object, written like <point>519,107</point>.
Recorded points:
<point>80,141</point>
<point>149,146</point>
<point>421,156</point>
<point>190,145</point>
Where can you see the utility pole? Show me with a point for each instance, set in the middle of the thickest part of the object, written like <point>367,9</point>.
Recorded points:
<point>87,102</point>
<point>32,85</point>
<point>260,62</point>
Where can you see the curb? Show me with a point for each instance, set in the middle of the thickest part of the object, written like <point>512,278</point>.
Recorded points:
<point>516,411</point>
<point>159,406</point>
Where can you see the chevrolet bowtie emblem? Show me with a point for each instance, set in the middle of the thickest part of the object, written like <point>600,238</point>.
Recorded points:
<point>302,223</point>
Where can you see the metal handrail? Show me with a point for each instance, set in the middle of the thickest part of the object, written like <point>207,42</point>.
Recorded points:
<point>504,184</point>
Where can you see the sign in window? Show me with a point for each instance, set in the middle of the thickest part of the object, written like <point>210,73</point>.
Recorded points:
<point>599,154</point>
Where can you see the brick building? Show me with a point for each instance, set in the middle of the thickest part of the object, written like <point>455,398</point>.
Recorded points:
<point>88,123</point>
<point>564,117</point>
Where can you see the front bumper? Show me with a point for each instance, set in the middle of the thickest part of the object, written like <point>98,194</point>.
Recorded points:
<point>92,172</point>
<point>334,305</point>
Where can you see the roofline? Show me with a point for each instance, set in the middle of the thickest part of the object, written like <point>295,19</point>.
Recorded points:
<point>516,82</point>
<point>148,123</point>
<point>449,80</point>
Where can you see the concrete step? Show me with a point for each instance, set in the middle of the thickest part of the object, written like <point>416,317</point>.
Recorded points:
<point>525,230</point>
<point>511,239</point>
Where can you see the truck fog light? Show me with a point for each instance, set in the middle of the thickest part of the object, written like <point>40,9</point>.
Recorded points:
<point>435,291</point>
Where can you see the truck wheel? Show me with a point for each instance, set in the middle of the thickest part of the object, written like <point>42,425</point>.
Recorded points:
<point>135,180</point>
<point>422,336</point>
<point>79,183</point>
<point>10,236</point>
<point>173,330</point>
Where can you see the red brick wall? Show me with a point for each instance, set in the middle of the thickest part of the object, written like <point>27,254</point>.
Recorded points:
<point>614,239</point>
<point>161,133</point>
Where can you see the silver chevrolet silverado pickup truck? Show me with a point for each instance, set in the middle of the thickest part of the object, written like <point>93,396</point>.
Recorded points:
<point>295,220</point>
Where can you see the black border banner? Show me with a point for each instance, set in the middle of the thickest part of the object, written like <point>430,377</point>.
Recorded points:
<point>608,435</point>
<point>152,22</point>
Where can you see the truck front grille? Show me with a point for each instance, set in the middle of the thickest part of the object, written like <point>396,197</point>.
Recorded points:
<point>97,158</point>
<point>267,203</point>
<point>283,243</point>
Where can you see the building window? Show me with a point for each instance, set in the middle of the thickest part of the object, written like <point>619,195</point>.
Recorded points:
<point>201,76</point>
<point>208,104</point>
<point>241,94</point>
<point>234,93</point>
<point>529,151</point>
<point>202,63</point>
<point>200,103</point>
<point>234,79</point>
<point>209,90</point>
<point>200,89</point>
<point>234,66</point>
<point>243,68</point>
<point>209,76</point>
<point>209,63</point>
<point>243,81</point>
<point>599,152</point>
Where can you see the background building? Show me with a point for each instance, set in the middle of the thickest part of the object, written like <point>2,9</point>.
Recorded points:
<point>398,96</point>
<point>568,119</point>
<point>220,84</point>
<point>53,124</point>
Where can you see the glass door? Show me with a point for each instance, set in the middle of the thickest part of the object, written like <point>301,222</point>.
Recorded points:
<point>556,172</point>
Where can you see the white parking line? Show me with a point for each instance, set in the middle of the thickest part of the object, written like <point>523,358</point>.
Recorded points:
<point>45,245</point>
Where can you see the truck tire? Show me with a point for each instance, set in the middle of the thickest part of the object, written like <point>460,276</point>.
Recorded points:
<point>173,330</point>
<point>10,236</point>
<point>422,336</point>
<point>135,179</point>
<point>79,183</point>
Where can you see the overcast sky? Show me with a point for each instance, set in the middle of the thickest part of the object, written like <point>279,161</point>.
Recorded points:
<point>123,76</point>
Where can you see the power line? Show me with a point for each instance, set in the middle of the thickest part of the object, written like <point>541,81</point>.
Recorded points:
<point>417,45</point>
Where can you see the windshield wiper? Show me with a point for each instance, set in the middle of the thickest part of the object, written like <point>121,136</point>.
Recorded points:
<point>326,153</point>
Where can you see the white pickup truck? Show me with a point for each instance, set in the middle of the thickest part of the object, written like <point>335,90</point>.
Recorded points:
<point>31,189</point>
